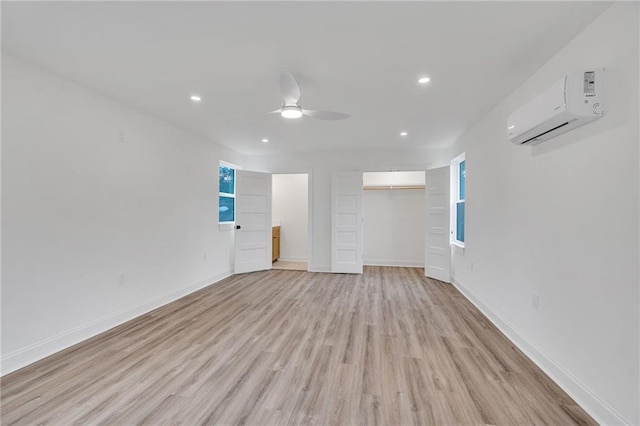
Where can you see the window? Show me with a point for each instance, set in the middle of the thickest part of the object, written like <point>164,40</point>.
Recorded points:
<point>227,193</point>
<point>458,194</point>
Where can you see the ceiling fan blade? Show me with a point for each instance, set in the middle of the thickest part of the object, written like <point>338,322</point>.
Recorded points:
<point>289,88</point>
<point>326,115</point>
<point>275,111</point>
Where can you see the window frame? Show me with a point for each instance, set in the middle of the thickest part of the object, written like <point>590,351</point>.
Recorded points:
<point>227,224</point>
<point>456,200</point>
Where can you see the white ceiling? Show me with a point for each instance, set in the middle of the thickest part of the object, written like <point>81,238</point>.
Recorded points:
<point>361,58</point>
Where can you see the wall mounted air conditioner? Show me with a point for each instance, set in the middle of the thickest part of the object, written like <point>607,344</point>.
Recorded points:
<point>571,102</point>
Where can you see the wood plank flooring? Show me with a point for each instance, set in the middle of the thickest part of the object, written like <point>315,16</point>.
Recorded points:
<point>283,347</point>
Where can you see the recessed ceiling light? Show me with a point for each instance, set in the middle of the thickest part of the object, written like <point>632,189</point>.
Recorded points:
<point>403,133</point>
<point>265,140</point>
<point>424,80</point>
<point>196,98</point>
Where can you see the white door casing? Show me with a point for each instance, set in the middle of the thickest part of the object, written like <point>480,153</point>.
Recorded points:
<point>253,222</point>
<point>346,222</point>
<point>437,248</point>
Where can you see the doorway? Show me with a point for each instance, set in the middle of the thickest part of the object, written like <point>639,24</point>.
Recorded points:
<point>290,217</point>
<point>393,211</point>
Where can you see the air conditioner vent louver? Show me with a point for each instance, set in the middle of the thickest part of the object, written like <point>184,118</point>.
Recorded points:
<point>548,131</point>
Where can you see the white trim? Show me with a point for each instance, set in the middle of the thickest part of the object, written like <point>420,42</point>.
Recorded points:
<point>309,173</point>
<point>228,164</point>
<point>223,226</point>
<point>458,244</point>
<point>319,268</point>
<point>588,400</point>
<point>386,262</point>
<point>460,158</point>
<point>454,200</point>
<point>309,216</point>
<point>42,349</point>
<point>292,259</point>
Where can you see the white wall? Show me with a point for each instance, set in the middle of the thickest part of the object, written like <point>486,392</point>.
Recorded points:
<point>394,227</point>
<point>83,211</point>
<point>290,206</point>
<point>321,165</point>
<point>393,178</point>
<point>560,220</point>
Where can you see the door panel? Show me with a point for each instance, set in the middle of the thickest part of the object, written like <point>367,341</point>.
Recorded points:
<point>253,217</point>
<point>437,248</point>
<point>346,222</point>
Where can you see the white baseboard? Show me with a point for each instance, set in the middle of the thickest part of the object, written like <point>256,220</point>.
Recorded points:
<point>42,349</point>
<point>589,401</point>
<point>319,268</point>
<point>327,268</point>
<point>292,259</point>
<point>385,262</point>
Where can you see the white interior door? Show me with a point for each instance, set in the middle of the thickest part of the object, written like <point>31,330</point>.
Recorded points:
<point>437,249</point>
<point>346,222</point>
<point>253,222</point>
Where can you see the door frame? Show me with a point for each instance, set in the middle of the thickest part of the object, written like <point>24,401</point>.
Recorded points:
<point>309,173</point>
<point>396,169</point>
<point>410,168</point>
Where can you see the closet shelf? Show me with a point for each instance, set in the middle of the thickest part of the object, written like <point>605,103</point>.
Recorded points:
<point>391,187</point>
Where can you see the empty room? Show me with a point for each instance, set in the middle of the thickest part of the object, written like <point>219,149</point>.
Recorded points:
<point>310,212</point>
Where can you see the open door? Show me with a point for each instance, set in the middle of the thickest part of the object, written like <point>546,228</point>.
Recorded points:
<point>253,222</point>
<point>346,222</point>
<point>437,249</point>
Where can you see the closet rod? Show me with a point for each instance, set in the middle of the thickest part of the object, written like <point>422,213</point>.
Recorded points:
<point>392,187</point>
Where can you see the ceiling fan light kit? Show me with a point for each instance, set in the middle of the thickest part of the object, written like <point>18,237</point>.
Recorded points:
<point>291,109</point>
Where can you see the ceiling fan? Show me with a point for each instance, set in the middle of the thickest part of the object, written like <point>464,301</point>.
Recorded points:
<point>291,108</point>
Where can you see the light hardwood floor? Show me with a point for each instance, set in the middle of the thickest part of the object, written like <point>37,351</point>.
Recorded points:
<point>285,347</point>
